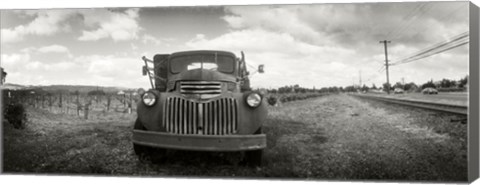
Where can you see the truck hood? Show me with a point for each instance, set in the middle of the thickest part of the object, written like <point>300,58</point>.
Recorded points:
<point>203,75</point>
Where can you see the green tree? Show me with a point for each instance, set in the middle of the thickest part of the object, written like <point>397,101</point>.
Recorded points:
<point>463,82</point>
<point>429,84</point>
<point>386,86</point>
<point>364,88</point>
<point>410,86</point>
<point>445,83</point>
<point>398,85</point>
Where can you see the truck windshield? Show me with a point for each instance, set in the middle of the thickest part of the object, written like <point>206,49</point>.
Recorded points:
<point>224,64</point>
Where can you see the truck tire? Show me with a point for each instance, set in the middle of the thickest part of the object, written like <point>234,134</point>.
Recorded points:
<point>254,157</point>
<point>146,153</point>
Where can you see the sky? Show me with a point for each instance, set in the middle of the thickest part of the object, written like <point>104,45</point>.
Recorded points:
<point>312,45</point>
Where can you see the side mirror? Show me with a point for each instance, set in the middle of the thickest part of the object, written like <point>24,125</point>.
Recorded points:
<point>260,68</point>
<point>144,70</point>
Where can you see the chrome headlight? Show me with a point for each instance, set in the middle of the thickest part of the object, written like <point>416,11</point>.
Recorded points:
<point>149,99</point>
<point>254,99</point>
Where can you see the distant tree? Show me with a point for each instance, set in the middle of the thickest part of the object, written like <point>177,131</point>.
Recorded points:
<point>350,88</point>
<point>75,92</point>
<point>364,88</point>
<point>398,85</point>
<point>323,90</point>
<point>445,83</point>
<point>374,87</point>
<point>386,86</point>
<point>463,82</point>
<point>410,86</point>
<point>429,84</point>
<point>96,93</point>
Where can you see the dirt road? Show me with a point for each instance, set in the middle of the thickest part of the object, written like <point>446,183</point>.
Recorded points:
<point>332,137</point>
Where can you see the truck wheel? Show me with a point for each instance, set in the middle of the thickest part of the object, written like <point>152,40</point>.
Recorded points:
<point>254,157</point>
<point>146,153</point>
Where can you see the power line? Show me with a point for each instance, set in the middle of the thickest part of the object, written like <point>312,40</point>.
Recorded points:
<point>422,11</point>
<point>413,11</point>
<point>437,52</point>
<point>447,41</point>
<point>462,39</point>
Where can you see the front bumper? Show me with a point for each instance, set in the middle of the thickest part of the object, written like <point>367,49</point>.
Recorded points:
<point>200,142</point>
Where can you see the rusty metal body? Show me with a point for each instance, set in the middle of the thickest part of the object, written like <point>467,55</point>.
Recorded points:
<point>201,109</point>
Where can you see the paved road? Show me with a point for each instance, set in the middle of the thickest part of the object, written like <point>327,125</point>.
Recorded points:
<point>453,98</point>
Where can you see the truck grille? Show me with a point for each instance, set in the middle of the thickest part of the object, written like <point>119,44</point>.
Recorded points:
<point>200,87</point>
<point>218,117</point>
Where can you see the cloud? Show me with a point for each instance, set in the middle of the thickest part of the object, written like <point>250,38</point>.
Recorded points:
<point>53,49</point>
<point>328,44</point>
<point>119,26</point>
<point>15,61</point>
<point>260,41</point>
<point>46,23</point>
<point>356,25</point>
<point>103,23</point>
<point>146,38</point>
<point>104,70</point>
<point>282,19</point>
<point>287,60</point>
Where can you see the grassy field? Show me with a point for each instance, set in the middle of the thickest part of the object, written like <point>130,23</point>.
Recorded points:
<point>332,137</point>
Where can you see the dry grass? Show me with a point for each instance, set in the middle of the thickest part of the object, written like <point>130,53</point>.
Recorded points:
<point>332,137</point>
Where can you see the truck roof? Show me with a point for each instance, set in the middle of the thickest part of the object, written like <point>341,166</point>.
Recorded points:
<point>202,52</point>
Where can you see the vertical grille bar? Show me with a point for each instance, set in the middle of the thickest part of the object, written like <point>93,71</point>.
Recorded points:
<point>224,116</point>
<point>179,116</point>
<point>218,117</point>
<point>229,115</point>
<point>184,105</point>
<point>194,119</point>
<point>201,116</point>
<point>235,126</point>
<point>174,121</point>
<point>216,114</point>
<point>206,125</point>
<point>179,120</point>
<point>189,116</point>
<point>209,123</point>
<point>166,114</point>
<point>170,117</point>
<point>172,113</point>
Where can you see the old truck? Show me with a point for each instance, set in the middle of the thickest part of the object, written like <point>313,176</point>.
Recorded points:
<point>200,101</point>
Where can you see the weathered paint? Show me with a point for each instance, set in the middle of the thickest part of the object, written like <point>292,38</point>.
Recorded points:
<point>250,120</point>
<point>200,142</point>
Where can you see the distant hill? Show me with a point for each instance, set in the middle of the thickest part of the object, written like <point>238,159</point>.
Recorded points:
<point>81,88</point>
<point>13,86</point>
<point>65,88</point>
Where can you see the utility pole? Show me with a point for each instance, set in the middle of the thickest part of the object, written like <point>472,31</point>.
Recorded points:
<point>386,64</point>
<point>360,78</point>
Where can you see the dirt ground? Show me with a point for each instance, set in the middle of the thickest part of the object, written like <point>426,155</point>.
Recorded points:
<point>332,137</point>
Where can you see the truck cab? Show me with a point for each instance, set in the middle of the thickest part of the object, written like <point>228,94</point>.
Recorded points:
<point>200,101</point>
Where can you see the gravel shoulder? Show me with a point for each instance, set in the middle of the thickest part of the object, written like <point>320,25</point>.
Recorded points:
<point>333,137</point>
